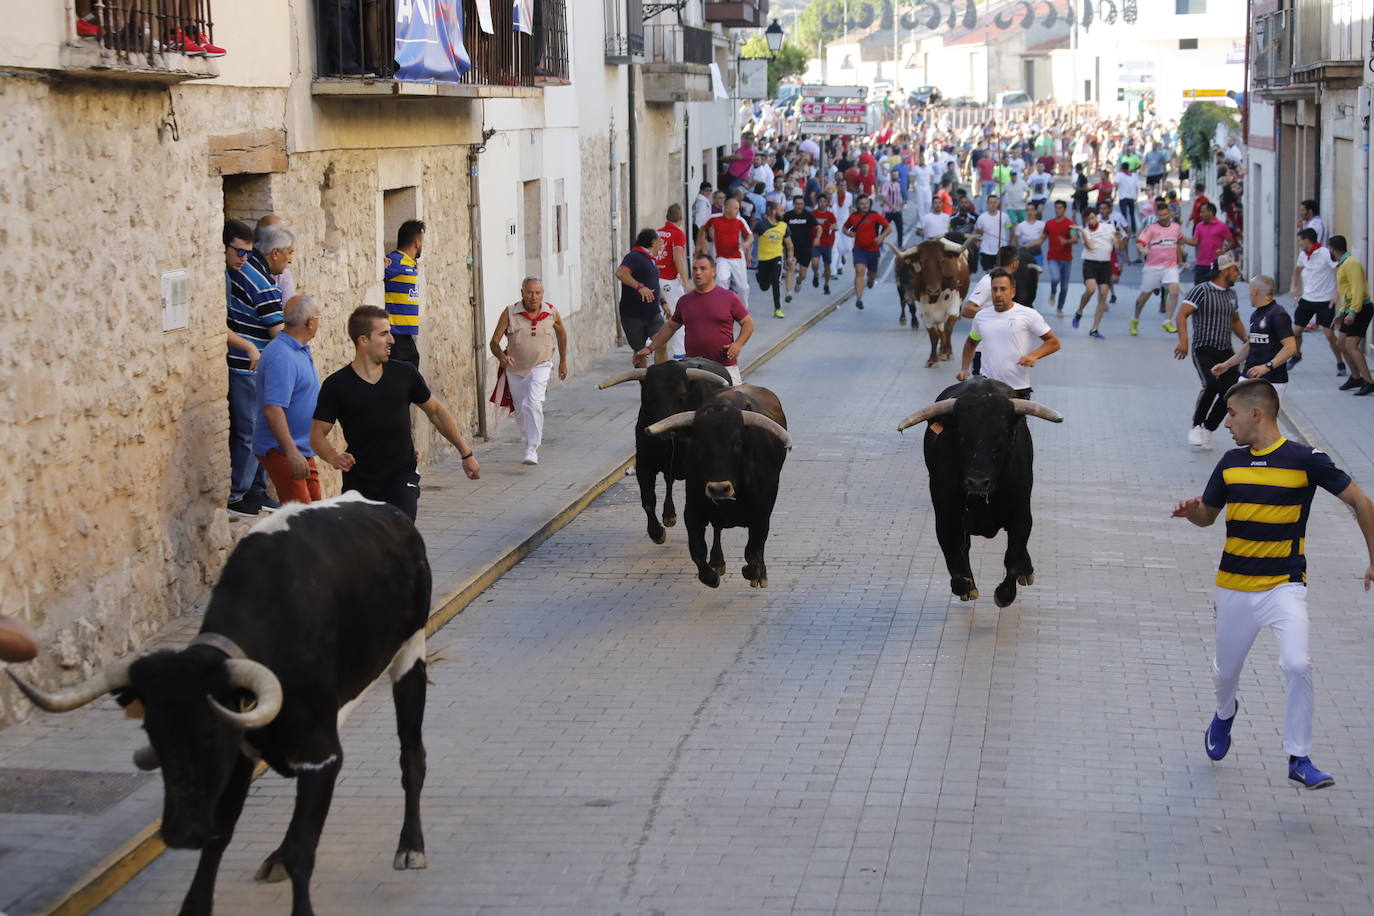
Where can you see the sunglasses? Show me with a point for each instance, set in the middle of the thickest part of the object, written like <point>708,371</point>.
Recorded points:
<point>239,252</point>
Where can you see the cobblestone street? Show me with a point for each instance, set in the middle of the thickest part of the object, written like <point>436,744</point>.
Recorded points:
<point>606,735</point>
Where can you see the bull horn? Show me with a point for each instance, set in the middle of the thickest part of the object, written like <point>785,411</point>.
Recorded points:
<point>929,412</point>
<point>902,252</point>
<point>145,758</point>
<point>676,421</point>
<point>1032,409</point>
<point>262,683</point>
<point>706,375</point>
<point>629,375</point>
<point>759,421</point>
<point>951,247</point>
<point>112,677</point>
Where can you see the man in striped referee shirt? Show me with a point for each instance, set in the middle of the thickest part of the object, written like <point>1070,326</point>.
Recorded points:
<point>1266,489</point>
<point>1216,317</point>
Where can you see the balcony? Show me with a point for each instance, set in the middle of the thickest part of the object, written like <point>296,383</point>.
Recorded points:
<point>1271,58</point>
<point>357,44</point>
<point>624,31</point>
<point>138,41</point>
<point>678,65</point>
<point>1328,41</point>
<point>740,14</point>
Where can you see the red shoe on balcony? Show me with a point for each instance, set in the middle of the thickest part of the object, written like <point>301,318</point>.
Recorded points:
<point>181,43</point>
<point>209,49</point>
<point>87,29</point>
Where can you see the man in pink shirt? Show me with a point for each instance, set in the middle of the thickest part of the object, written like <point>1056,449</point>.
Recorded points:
<point>1159,242</point>
<point>741,163</point>
<point>1212,237</point>
<point>709,313</point>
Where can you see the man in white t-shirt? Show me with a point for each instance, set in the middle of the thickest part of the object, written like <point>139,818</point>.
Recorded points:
<point>1314,287</point>
<point>924,178</point>
<point>935,222</point>
<point>1100,239</point>
<point>1007,334</point>
<point>991,231</point>
<point>1127,190</point>
<point>1309,218</point>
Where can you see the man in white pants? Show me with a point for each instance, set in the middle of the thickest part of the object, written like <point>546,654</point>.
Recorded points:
<point>672,267</point>
<point>530,327</point>
<point>842,204</point>
<point>924,178</point>
<point>1267,490</point>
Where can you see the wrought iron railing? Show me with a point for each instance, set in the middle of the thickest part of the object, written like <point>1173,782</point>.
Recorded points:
<point>624,30</point>
<point>144,26</point>
<point>678,44</point>
<point>1271,60</point>
<point>357,38</point>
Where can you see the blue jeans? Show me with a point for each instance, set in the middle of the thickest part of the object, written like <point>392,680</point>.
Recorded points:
<point>989,187</point>
<point>246,478</point>
<point>1059,280</point>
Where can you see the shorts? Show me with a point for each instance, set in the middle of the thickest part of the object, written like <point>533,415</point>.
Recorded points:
<point>1152,278</point>
<point>865,257</point>
<point>1360,326</point>
<point>403,347</point>
<point>986,262</point>
<point>824,252</point>
<point>1100,272</point>
<point>1152,180</point>
<point>1307,310</point>
<point>401,490</point>
<point>640,329</point>
<point>804,254</point>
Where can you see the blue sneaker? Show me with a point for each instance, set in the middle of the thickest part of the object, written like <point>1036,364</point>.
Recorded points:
<point>1218,735</point>
<point>1077,318</point>
<point>1303,770</point>
<point>1096,334</point>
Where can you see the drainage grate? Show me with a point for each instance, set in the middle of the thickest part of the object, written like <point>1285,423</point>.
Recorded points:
<point>81,792</point>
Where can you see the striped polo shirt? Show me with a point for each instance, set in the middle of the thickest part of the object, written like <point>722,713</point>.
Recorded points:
<point>402,293</point>
<point>1268,496</point>
<point>1216,309</point>
<point>254,306</point>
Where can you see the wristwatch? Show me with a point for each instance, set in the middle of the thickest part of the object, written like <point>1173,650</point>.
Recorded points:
<point>1269,365</point>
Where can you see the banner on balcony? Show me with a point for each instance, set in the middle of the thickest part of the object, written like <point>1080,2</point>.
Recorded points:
<point>523,16</point>
<point>429,41</point>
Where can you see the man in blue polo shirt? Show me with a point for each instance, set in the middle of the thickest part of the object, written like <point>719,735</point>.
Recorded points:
<point>254,317</point>
<point>288,386</point>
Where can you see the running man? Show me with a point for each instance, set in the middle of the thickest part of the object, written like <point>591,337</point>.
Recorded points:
<point>803,228</point>
<point>775,244</point>
<point>1007,333</point>
<point>868,230</point>
<point>1100,239</point>
<point>827,227</point>
<point>731,237</point>
<point>1216,317</point>
<point>1314,288</point>
<point>1267,491</point>
<point>1159,243</point>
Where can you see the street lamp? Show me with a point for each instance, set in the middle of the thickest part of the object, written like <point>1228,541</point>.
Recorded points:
<point>773,35</point>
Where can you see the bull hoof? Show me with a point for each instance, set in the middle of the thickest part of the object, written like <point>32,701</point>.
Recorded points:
<point>1027,579</point>
<point>658,538</point>
<point>409,858</point>
<point>271,871</point>
<point>1004,594</point>
<point>669,521</point>
<point>931,364</point>
<point>946,356</point>
<point>902,321</point>
<point>719,569</point>
<point>709,578</point>
<point>970,595</point>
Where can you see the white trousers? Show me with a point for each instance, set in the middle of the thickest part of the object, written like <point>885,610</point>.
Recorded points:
<point>732,274</point>
<point>735,377</point>
<point>1240,615</point>
<point>844,245</point>
<point>923,198</point>
<point>672,292</point>
<point>527,393</point>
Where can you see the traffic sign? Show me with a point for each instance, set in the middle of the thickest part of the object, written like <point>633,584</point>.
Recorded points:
<point>834,127</point>
<point>1204,93</point>
<point>834,92</point>
<point>835,109</point>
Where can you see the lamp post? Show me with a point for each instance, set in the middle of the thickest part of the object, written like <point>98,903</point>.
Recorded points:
<point>773,35</point>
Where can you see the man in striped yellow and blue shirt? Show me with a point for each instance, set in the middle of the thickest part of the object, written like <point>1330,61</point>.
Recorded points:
<point>402,282</point>
<point>1267,489</point>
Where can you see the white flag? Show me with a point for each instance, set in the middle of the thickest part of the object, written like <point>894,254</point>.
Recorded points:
<point>484,16</point>
<point>523,16</point>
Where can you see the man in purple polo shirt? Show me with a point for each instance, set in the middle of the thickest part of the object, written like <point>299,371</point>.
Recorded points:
<point>741,163</point>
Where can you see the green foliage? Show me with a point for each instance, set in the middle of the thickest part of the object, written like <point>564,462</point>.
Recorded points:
<point>790,61</point>
<point>1198,128</point>
<point>823,20</point>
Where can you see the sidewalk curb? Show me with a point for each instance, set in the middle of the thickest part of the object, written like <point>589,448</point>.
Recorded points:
<point>121,866</point>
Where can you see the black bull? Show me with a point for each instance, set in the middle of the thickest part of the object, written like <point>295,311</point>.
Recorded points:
<point>979,457</point>
<point>313,605</point>
<point>738,443</point>
<point>665,389</point>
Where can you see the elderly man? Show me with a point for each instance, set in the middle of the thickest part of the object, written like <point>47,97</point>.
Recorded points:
<point>287,386</point>
<point>254,317</point>
<point>286,281</point>
<point>709,313</point>
<point>530,327</point>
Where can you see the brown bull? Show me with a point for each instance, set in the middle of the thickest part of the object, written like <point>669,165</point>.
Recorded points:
<point>934,274</point>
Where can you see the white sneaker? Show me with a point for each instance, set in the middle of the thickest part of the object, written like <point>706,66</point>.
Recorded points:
<point>531,456</point>
<point>1195,436</point>
<point>1206,438</point>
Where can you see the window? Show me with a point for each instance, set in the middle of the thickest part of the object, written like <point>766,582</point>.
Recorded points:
<point>1187,44</point>
<point>1189,7</point>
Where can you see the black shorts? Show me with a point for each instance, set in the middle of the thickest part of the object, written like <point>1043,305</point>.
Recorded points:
<point>769,272</point>
<point>401,491</point>
<point>1098,271</point>
<point>1360,325</point>
<point>986,262</point>
<point>804,254</point>
<point>403,347</point>
<point>638,330</point>
<point>1307,309</point>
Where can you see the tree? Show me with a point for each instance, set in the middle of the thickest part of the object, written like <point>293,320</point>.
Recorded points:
<point>823,20</point>
<point>1198,129</point>
<point>789,61</point>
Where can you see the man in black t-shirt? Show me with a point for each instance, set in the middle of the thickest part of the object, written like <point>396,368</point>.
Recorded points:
<point>804,229</point>
<point>1271,343</point>
<point>370,398</point>
<point>642,311</point>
